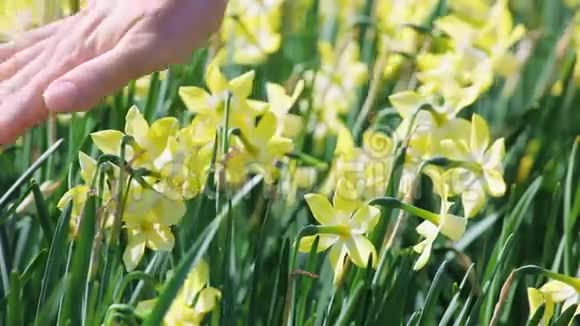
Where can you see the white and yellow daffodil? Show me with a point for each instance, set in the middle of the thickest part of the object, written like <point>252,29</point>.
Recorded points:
<point>449,225</point>
<point>552,293</point>
<point>211,106</point>
<point>263,148</point>
<point>194,301</point>
<point>148,218</point>
<point>149,141</point>
<point>483,172</point>
<point>350,221</point>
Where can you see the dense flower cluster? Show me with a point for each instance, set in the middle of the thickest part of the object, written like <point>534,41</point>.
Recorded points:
<point>233,136</point>
<point>387,103</point>
<point>178,160</point>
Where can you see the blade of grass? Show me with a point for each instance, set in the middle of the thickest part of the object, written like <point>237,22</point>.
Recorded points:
<point>43,214</point>
<point>568,221</point>
<point>55,255</point>
<point>74,300</point>
<point>192,257</point>
<point>28,173</point>
<point>426,314</point>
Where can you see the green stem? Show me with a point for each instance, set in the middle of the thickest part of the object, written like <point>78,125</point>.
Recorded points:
<point>569,280</point>
<point>396,203</point>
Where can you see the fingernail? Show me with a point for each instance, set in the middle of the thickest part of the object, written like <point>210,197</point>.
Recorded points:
<point>60,96</point>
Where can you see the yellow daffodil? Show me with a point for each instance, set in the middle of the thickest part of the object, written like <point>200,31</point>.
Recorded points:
<point>365,169</point>
<point>192,304</point>
<point>450,225</point>
<point>251,30</point>
<point>350,221</point>
<point>148,219</point>
<point>397,36</point>
<point>490,30</point>
<point>458,78</point>
<point>211,106</point>
<point>335,84</point>
<point>183,166</point>
<point>552,293</point>
<point>150,141</point>
<point>78,195</point>
<point>290,125</point>
<point>263,148</point>
<point>485,173</point>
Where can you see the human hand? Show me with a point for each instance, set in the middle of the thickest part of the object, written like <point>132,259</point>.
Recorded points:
<point>70,65</point>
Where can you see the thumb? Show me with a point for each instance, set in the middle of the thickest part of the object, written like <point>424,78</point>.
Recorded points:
<point>85,85</point>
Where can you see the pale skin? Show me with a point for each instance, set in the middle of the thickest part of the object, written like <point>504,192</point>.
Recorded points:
<point>71,64</point>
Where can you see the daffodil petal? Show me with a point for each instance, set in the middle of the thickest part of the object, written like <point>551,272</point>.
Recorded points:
<point>161,130</point>
<point>88,167</point>
<point>346,196</point>
<point>365,218</point>
<point>360,250</point>
<point>207,300</point>
<point>558,291</point>
<point>321,209</point>
<point>242,85</point>
<point>479,139</point>
<point>453,226</point>
<point>134,250</point>
<point>279,146</point>
<point>266,127</point>
<point>495,154</point>
<point>136,125</point>
<point>215,80</point>
<point>196,280</point>
<point>473,201</point>
<point>169,211</point>
<point>494,182</point>
<point>324,242</point>
<point>407,103</point>
<point>160,238</point>
<point>108,141</point>
<point>337,256</point>
<point>424,248</point>
<point>196,99</point>
<point>535,300</point>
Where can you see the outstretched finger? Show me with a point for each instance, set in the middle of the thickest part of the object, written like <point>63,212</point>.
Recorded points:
<point>85,85</point>
<point>20,60</point>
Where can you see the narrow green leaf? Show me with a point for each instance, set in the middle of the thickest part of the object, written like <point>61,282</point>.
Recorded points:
<point>502,258</point>
<point>15,307</point>
<point>28,173</point>
<point>436,286</point>
<point>568,221</point>
<point>566,317</point>
<point>537,317</point>
<point>56,255</point>
<point>74,300</point>
<point>42,210</point>
<point>455,300</point>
